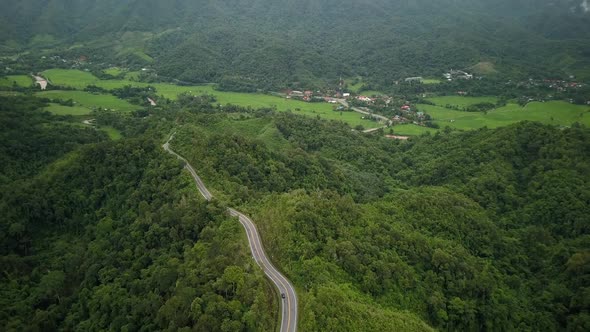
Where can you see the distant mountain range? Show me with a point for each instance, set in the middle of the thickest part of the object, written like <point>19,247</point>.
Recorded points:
<point>269,43</point>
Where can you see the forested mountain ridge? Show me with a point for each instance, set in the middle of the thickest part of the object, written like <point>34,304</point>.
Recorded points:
<point>275,43</point>
<point>471,231</point>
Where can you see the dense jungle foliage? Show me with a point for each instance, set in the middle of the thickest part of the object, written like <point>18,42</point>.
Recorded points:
<point>270,44</point>
<point>472,231</point>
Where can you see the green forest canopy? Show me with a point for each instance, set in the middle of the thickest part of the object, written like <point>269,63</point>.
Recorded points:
<point>269,44</point>
<point>485,229</point>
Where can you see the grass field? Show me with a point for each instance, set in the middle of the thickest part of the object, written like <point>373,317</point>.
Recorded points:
<point>132,75</point>
<point>431,81</point>
<point>114,71</point>
<point>325,111</point>
<point>89,100</point>
<point>21,80</point>
<point>10,93</point>
<point>410,130</point>
<point>143,56</point>
<point>113,133</point>
<point>58,109</point>
<point>79,79</point>
<point>555,112</point>
<point>262,129</point>
<point>460,101</point>
<point>354,87</point>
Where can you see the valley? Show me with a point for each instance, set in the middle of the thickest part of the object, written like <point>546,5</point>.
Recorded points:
<point>444,111</point>
<point>310,165</point>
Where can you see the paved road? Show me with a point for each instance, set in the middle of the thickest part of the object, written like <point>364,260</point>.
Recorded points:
<point>289,303</point>
<point>200,184</point>
<point>363,110</point>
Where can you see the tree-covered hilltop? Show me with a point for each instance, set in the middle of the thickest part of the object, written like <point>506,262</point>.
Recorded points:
<point>272,44</point>
<point>31,139</point>
<point>113,236</point>
<point>479,230</point>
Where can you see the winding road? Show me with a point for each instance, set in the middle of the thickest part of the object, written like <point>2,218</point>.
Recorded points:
<point>288,297</point>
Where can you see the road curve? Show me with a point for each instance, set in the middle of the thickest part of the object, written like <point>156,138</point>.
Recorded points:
<point>289,303</point>
<point>200,184</point>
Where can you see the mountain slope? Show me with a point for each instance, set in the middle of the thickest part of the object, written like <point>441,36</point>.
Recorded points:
<point>276,42</point>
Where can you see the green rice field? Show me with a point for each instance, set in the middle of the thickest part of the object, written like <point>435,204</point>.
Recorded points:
<point>557,113</point>
<point>88,100</point>
<point>431,81</point>
<point>114,71</point>
<point>461,101</point>
<point>554,112</point>
<point>58,109</point>
<point>410,130</point>
<point>20,80</point>
<point>79,79</point>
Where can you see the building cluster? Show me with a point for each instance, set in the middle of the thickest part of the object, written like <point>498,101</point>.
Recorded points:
<point>312,96</point>
<point>554,84</point>
<point>418,79</point>
<point>457,75</point>
<point>331,97</point>
<point>562,86</point>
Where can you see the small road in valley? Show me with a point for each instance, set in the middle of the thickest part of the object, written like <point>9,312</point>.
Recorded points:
<point>366,111</point>
<point>288,297</point>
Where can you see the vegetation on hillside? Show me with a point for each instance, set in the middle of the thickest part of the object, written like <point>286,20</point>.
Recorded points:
<point>114,237</point>
<point>266,44</point>
<point>482,230</point>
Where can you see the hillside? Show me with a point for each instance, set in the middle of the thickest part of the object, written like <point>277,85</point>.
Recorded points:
<point>277,43</point>
<point>478,230</point>
<point>484,230</point>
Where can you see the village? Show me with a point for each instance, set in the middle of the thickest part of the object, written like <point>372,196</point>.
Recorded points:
<point>404,104</point>
<point>389,110</point>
